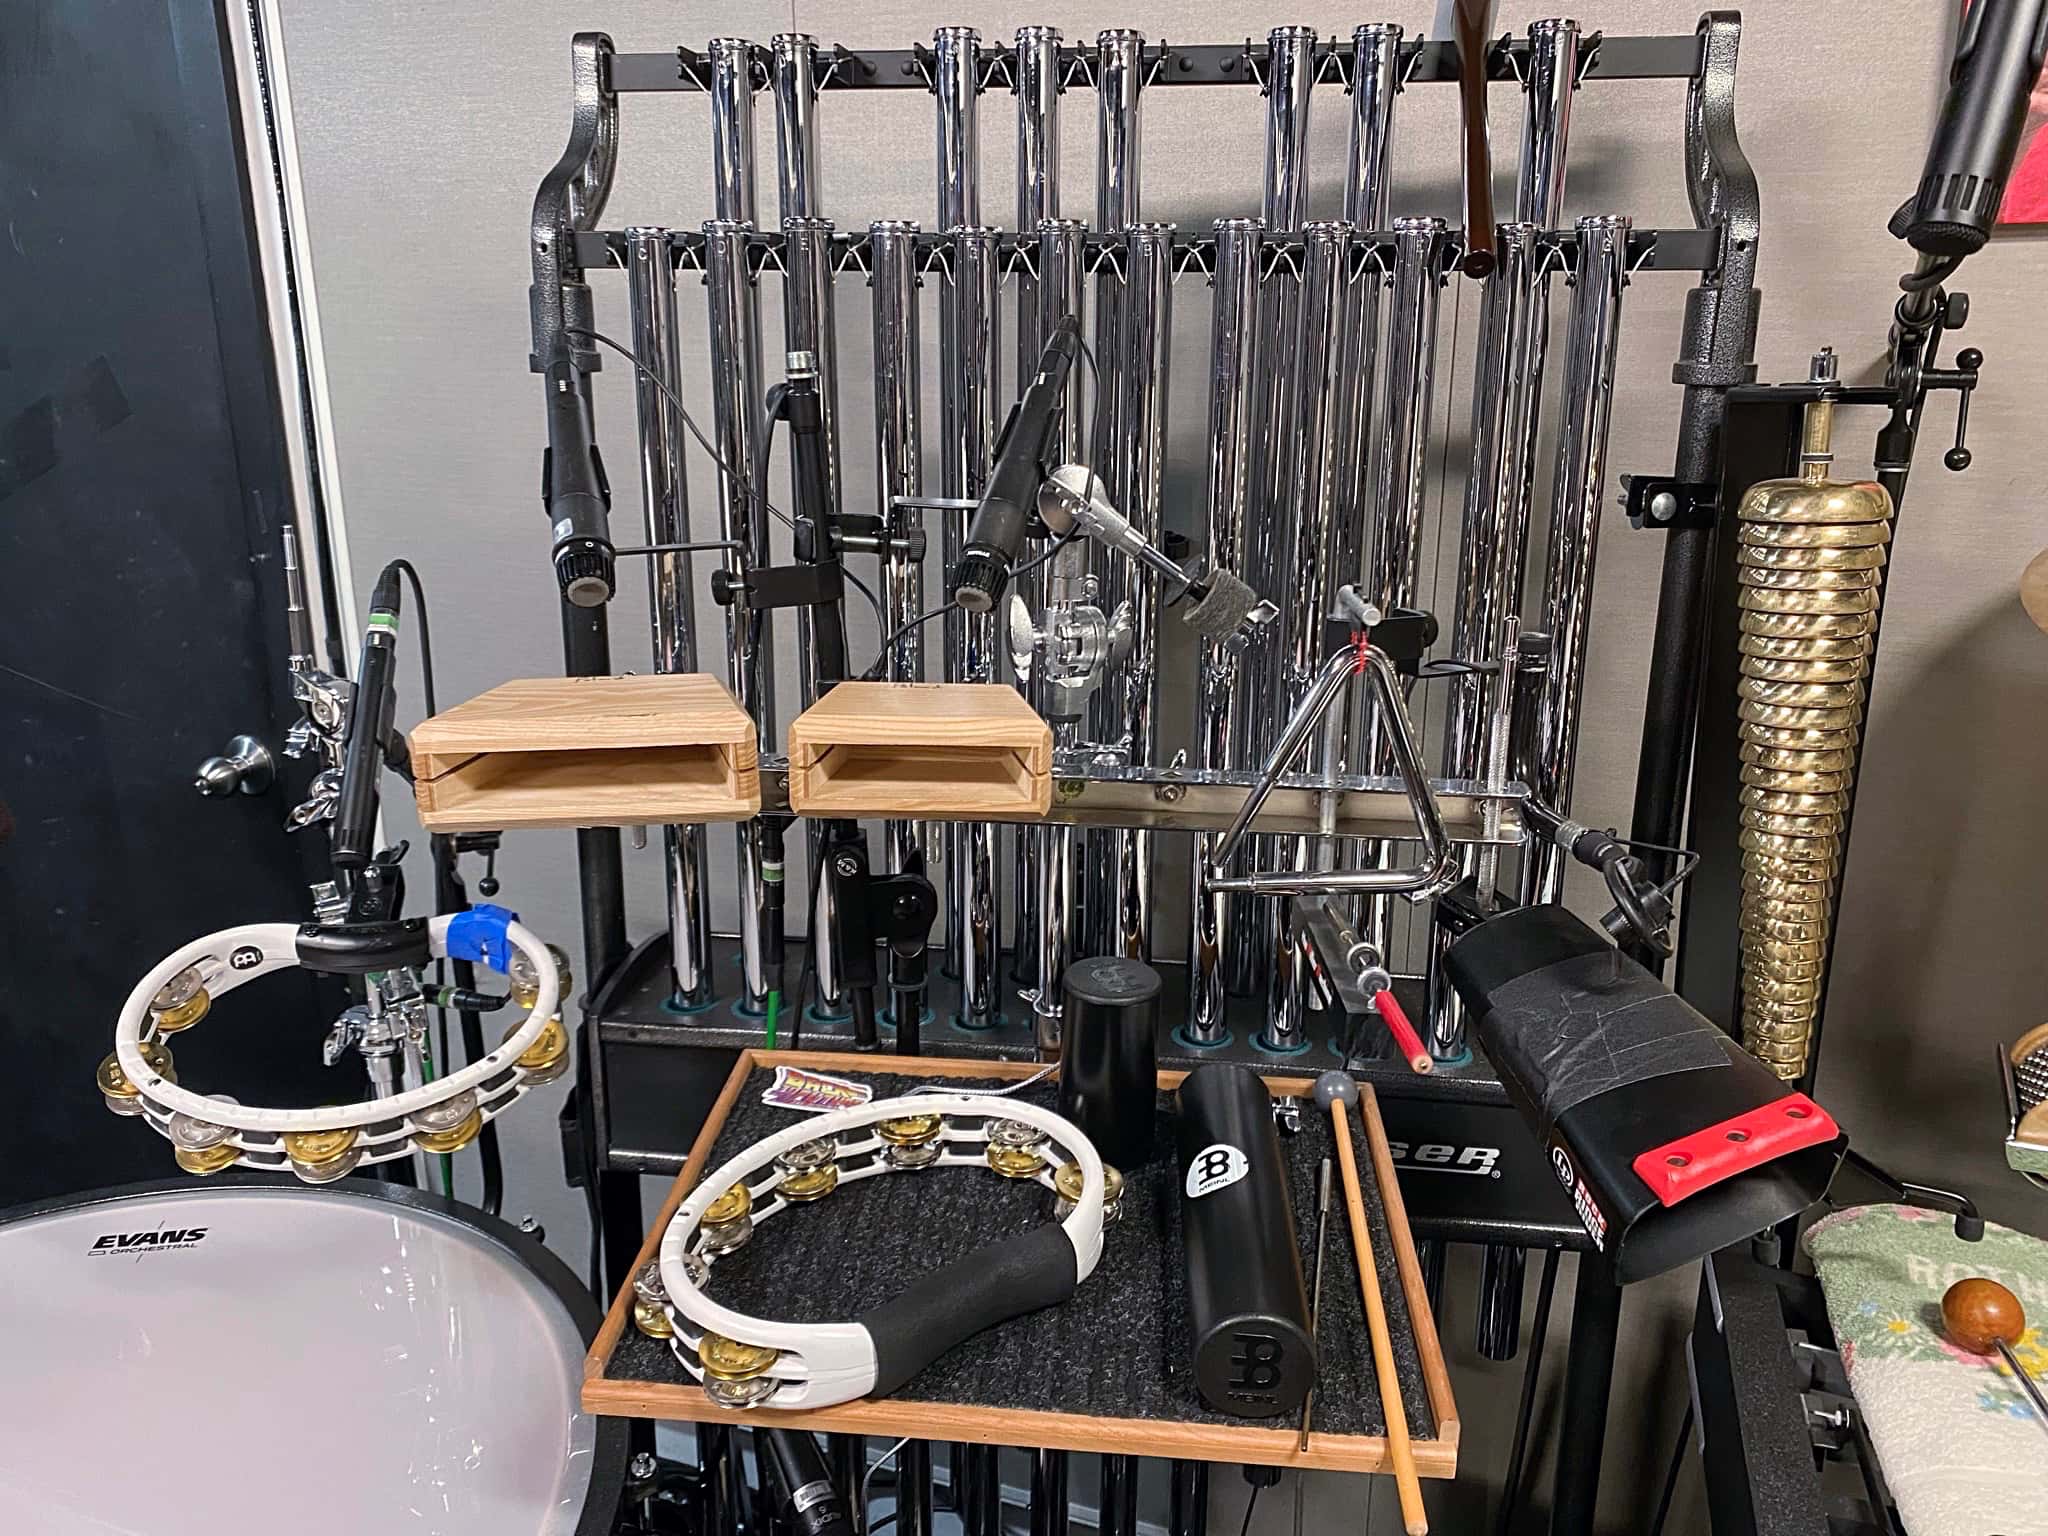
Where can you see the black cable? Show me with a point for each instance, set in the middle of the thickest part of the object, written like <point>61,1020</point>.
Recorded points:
<point>1671,1475</point>
<point>419,598</point>
<point>761,457</point>
<point>1251,1504</point>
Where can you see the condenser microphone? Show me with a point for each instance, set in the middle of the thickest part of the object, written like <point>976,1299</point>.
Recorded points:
<point>1220,603</point>
<point>369,725</point>
<point>996,535</point>
<point>1998,60</point>
<point>577,500</point>
<point>803,1485</point>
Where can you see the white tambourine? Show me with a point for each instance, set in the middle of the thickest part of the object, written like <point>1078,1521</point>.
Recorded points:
<point>320,1145</point>
<point>745,1362</point>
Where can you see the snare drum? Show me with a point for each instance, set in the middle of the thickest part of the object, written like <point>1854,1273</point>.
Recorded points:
<point>193,1359</point>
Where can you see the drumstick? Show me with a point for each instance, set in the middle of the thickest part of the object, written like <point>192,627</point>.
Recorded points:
<point>1336,1090</point>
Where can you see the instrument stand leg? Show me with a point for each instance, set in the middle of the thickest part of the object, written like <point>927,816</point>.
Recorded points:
<point>1189,1510</point>
<point>1049,1494</point>
<point>1588,1378</point>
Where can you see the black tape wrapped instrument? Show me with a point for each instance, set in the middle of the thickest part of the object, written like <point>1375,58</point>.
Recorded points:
<point>1254,1354</point>
<point>1669,1138</point>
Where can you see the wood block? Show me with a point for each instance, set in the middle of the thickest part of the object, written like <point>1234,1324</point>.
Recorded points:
<point>587,752</point>
<point>951,751</point>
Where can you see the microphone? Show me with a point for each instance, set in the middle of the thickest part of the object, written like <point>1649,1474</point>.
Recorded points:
<point>1072,499</point>
<point>996,535</point>
<point>369,723</point>
<point>1998,60</point>
<point>803,1484</point>
<point>577,499</point>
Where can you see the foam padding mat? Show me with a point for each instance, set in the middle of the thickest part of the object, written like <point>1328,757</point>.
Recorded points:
<point>1109,1370</point>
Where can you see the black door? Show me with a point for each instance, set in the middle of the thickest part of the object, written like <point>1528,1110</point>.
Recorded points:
<point>142,487</point>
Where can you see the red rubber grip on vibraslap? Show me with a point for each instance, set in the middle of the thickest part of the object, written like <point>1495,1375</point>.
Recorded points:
<point>1704,1158</point>
<point>1389,1009</point>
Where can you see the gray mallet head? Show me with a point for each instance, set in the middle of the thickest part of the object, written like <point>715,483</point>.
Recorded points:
<point>1218,612</point>
<point>1335,1087</point>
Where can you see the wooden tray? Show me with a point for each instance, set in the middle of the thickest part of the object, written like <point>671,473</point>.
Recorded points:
<point>587,752</point>
<point>1267,1443</point>
<point>941,750</point>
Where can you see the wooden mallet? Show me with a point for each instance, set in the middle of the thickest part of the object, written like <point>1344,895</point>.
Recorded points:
<point>1337,1093</point>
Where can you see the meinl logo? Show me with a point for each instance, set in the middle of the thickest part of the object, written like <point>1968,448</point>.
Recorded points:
<point>162,1240</point>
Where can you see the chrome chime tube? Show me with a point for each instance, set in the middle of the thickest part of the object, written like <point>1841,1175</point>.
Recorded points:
<point>1323,537</point>
<point>1035,71</point>
<point>665,496</point>
<point>1062,265</point>
<point>735,346</point>
<point>1219,700</point>
<point>1290,73</point>
<point>809,325</point>
<point>969,327</point>
<point>1141,412</point>
<point>1400,449</point>
<point>1119,139</point>
<point>1552,77</point>
<point>894,280</point>
<point>1577,492</point>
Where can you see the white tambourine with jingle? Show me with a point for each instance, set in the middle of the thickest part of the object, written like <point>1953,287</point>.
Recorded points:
<point>745,1362</point>
<point>321,1145</point>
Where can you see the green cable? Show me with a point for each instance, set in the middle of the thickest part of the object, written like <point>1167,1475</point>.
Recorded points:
<point>447,1159</point>
<point>774,1008</point>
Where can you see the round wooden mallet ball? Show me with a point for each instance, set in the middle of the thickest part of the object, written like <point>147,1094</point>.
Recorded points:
<point>1979,1315</point>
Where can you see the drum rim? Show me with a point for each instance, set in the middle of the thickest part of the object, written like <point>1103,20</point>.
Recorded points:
<point>610,1448</point>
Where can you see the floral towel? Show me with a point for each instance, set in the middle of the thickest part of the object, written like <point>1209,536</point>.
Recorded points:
<point>1962,1448</point>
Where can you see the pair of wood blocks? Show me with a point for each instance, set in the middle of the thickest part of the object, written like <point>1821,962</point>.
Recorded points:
<point>632,751</point>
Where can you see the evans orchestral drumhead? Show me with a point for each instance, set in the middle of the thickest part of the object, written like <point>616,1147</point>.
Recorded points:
<point>240,1360</point>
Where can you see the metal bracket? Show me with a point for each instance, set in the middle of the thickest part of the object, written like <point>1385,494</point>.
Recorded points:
<point>1659,501</point>
<point>570,200</point>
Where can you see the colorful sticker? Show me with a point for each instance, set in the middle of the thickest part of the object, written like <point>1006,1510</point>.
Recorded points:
<point>813,1092</point>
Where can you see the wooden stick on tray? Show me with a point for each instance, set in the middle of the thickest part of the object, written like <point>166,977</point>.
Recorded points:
<point>1337,1092</point>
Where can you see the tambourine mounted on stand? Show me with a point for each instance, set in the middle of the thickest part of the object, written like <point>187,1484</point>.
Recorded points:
<point>321,1145</point>
<point>749,1362</point>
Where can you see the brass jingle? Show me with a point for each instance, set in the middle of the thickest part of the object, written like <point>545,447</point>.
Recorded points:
<point>1791,826</point>
<point>647,1286</point>
<point>1015,1162</point>
<point>1804,647</point>
<point>1843,670</point>
<point>722,1237</point>
<point>1796,626</point>
<point>730,1206</point>
<point>1823,504</point>
<point>809,1155</point>
<point>1756,1027</point>
<point>448,1115</point>
<point>1814,851</point>
<point>1866,557</point>
<point>1801,695</point>
<point>205,1160</point>
<point>1793,902</point>
<point>1780,1011</point>
<point>114,1083</point>
<point>912,1155</point>
<point>1788,1041</point>
<point>184,1015</point>
<point>1784,717</point>
<point>525,983</point>
<point>317,1147</point>
<point>809,1184</point>
<point>1067,1182</point>
<point>652,1320</point>
<point>1838,533</point>
<point>1779,886</point>
<point>740,1394</point>
<point>1788,579</point>
<point>1015,1133</point>
<point>910,1130</point>
<point>1791,805</point>
<point>730,1360</point>
<point>1817,604</point>
<point>1758,910</point>
<point>1784,970</point>
<point>1787,761</point>
<point>1773,930</point>
<point>179,990</point>
<point>335,1168</point>
<point>549,1051</point>
<point>454,1139</point>
<point>1787,781</point>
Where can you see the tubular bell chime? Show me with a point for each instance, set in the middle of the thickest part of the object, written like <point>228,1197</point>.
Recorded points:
<point>1321,388</point>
